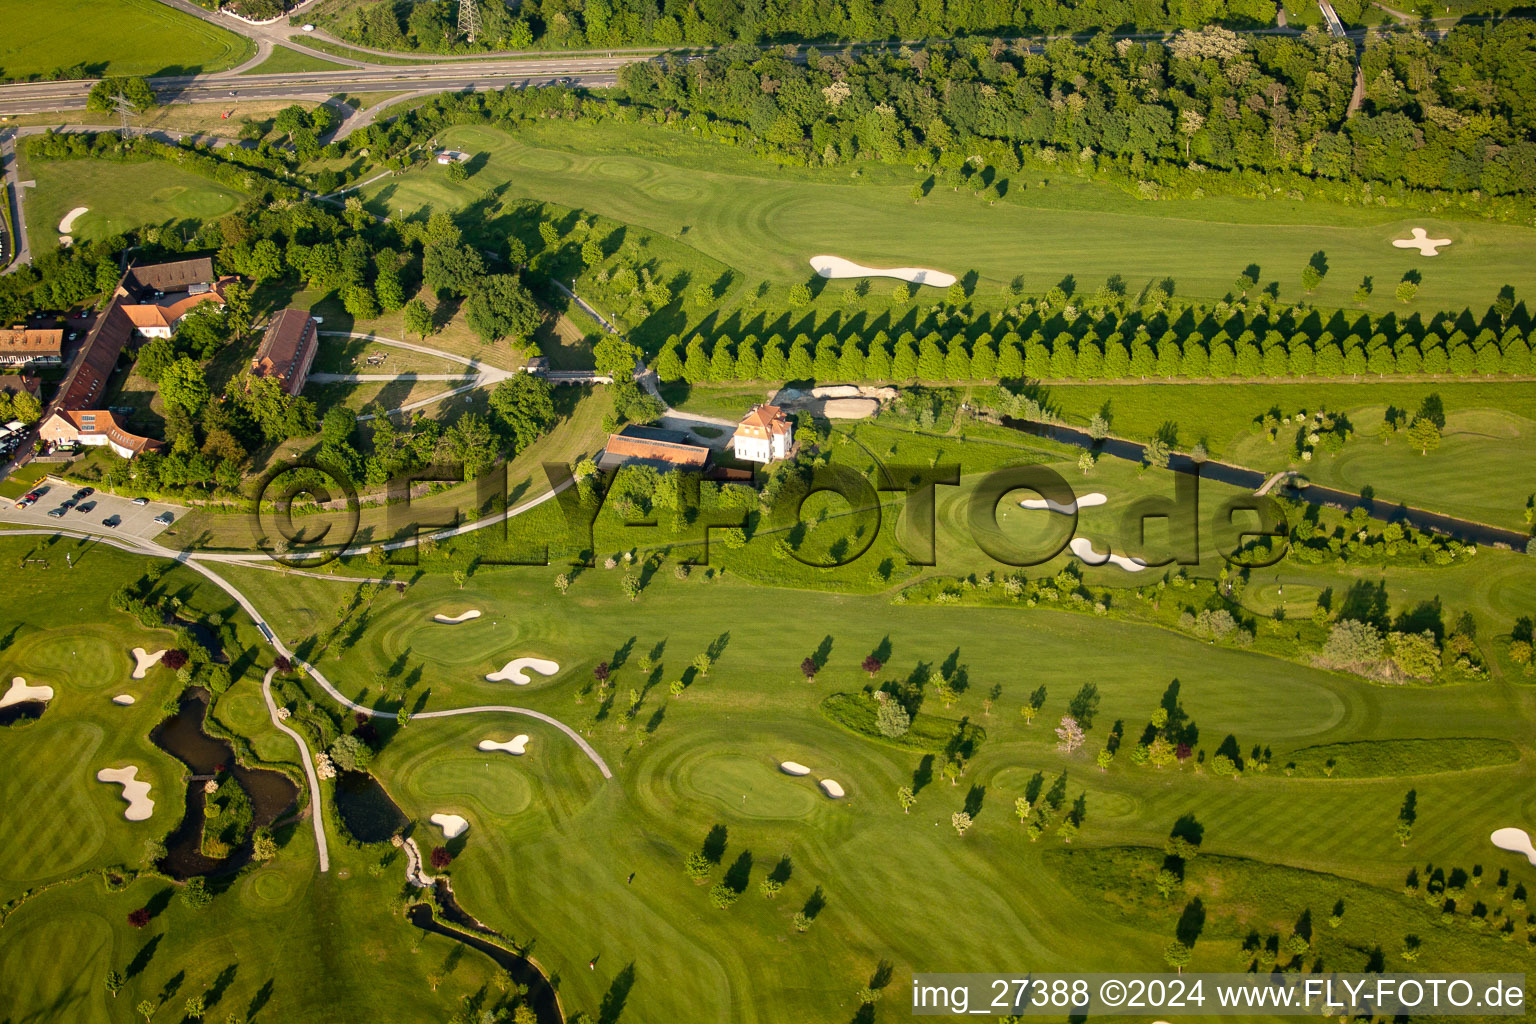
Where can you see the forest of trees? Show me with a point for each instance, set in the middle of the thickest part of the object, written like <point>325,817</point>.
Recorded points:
<point>1453,115</point>
<point>432,25</point>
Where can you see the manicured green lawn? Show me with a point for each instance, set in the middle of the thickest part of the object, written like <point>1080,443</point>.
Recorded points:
<point>119,196</point>
<point>548,835</point>
<point>766,223</point>
<point>285,61</point>
<point>113,37</point>
<point>276,942</point>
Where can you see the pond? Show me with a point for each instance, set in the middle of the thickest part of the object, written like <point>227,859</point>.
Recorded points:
<point>272,793</point>
<point>366,811</point>
<point>541,995</point>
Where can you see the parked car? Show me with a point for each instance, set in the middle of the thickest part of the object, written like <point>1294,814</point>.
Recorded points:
<point>112,522</point>
<point>69,503</point>
<point>85,506</point>
<point>165,519</point>
<point>141,502</point>
<point>57,513</point>
<point>26,502</point>
<point>85,492</point>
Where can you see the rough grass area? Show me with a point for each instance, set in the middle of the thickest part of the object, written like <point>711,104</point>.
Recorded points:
<point>113,37</point>
<point>1381,759</point>
<point>930,733</point>
<point>284,60</point>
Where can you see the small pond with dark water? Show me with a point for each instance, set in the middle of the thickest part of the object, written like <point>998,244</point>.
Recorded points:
<point>541,995</point>
<point>272,794</point>
<point>366,810</point>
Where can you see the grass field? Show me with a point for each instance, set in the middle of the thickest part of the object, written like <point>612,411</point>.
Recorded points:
<point>547,834</point>
<point>275,940</point>
<point>767,222</point>
<point>113,37</point>
<point>288,61</point>
<point>120,196</point>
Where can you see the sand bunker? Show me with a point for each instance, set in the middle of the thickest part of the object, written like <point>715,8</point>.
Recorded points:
<point>1083,549</point>
<point>145,662</point>
<point>513,670</point>
<point>516,745</point>
<point>836,266</point>
<point>124,699</point>
<point>832,789</point>
<point>20,692</point>
<point>68,223</point>
<point>452,825</point>
<point>849,408</point>
<point>793,768</point>
<point>1086,501</point>
<point>140,806</point>
<point>1421,241</point>
<point>473,613</point>
<point>1515,840</point>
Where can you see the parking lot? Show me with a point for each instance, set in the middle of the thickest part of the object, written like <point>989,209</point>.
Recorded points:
<point>133,520</point>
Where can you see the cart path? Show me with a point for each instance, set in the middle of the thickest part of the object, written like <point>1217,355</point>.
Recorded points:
<point>309,770</point>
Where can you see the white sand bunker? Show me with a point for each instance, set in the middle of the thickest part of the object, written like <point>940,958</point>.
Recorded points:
<point>1086,501</point>
<point>140,806</point>
<point>513,670</point>
<point>145,662</point>
<point>1421,241</point>
<point>836,266</point>
<point>1082,548</point>
<point>793,768</point>
<point>516,745</point>
<point>1515,840</point>
<point>68,223</point>
<point>452,825</point>
<point>20,693</point>
<point>832,789</point>
<point>124,699</point>
<point>452,620</point>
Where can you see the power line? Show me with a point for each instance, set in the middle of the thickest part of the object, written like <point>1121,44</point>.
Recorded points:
<point>124,108</point>
<point>469,18</point>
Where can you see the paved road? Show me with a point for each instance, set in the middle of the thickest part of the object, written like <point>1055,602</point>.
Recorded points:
<point>315,806</point>
<point>197,562</point>
<point>484,376</point>
<point>1465,530</point>
<point>20,247</point>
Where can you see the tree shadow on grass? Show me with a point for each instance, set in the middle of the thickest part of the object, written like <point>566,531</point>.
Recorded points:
<point>142,958</point>
<point>714,844</point>
<point>739,873</point>
<point>617,995</point>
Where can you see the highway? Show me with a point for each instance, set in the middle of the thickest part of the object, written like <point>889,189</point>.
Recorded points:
<point>590,72</point>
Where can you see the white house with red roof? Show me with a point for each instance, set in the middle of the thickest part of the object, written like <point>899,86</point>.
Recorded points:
<point>764,435</point>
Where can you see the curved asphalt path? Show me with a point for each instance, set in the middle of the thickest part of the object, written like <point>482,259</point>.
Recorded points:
<point>195,563</point>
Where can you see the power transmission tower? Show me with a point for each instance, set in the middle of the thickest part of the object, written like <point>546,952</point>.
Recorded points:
<point>469,18</point>
<point>124,108</point>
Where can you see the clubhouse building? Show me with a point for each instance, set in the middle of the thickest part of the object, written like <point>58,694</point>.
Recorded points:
<point>148,302</point>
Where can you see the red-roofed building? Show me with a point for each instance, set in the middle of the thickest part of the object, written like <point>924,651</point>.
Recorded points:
<point>94,427</point>
<point>765,434</point>
<point>30,346</point>
<point>288,349</point>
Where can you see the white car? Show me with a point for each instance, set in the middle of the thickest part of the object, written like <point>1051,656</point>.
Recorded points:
<point>165,519</point>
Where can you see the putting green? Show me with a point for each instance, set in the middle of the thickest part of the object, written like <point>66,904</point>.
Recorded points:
<point>484,782</point>
<point>748,786</point>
